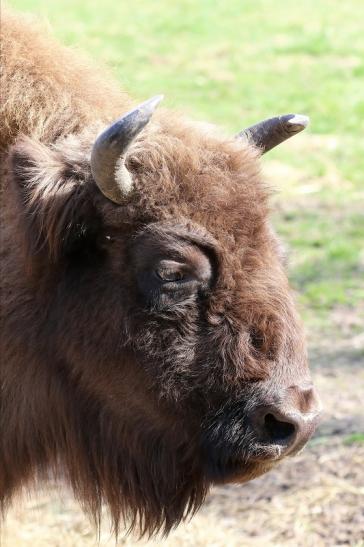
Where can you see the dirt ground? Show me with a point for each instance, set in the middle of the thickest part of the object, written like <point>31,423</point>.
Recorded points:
<point>315,499</point>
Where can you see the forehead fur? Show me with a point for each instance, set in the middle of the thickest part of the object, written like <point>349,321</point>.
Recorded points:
<point>185,170</point>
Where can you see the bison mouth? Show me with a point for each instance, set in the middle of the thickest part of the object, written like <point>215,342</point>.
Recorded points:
<point>236,472</point>
<point>243,465</point>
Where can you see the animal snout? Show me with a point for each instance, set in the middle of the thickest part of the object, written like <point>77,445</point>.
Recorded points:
<point>285,427</point>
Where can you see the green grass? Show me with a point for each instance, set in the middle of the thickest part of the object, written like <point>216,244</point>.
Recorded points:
<point>355,438</point>
<point>234,62</point>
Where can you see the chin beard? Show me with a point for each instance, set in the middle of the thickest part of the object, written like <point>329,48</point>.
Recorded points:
<point>148,483</point>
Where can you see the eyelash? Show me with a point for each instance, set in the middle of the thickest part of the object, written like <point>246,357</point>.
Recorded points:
<point>170,276</point>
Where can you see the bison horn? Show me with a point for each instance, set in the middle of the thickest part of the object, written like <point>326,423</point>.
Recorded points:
<point>271,132</point>
<point>109,150</point>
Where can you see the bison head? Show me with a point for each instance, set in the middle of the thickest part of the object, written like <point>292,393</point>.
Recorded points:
<point>163,323</point>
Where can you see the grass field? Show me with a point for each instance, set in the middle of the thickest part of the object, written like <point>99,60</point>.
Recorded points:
<point>234,62</point>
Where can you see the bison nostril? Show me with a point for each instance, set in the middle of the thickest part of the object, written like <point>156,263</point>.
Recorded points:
<point>278,431</point>
<point>283,429</point>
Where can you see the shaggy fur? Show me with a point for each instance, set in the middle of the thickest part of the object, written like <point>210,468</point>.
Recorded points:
<point>133,393</point>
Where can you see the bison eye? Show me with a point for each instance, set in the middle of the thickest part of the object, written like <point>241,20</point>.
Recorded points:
<point>168,275</point>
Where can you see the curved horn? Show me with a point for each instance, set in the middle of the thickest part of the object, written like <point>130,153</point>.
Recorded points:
<point>271,132</point>
<point>109,150</point>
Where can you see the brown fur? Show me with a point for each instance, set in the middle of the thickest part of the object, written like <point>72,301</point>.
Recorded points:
<point>118,394</point>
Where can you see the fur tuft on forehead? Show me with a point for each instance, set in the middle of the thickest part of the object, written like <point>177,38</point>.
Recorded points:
<point>180,169</point>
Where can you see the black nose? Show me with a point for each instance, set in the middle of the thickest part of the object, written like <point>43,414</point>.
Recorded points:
<point>287,426</point>
<point>277,428</point>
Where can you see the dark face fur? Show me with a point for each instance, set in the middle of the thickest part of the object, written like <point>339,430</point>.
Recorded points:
<point>173,325</point>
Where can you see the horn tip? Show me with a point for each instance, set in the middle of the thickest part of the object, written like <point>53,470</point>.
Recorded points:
<point>300,120</point>
<point>159,97</point>
<point>154,101</point>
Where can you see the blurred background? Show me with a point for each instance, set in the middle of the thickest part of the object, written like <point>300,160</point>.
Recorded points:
<point>234,62</point>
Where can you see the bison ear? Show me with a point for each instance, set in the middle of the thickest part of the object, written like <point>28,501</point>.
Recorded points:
<point>52,201</point>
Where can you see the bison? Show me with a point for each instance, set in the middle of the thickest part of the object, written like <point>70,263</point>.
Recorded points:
<point>150,345</point>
